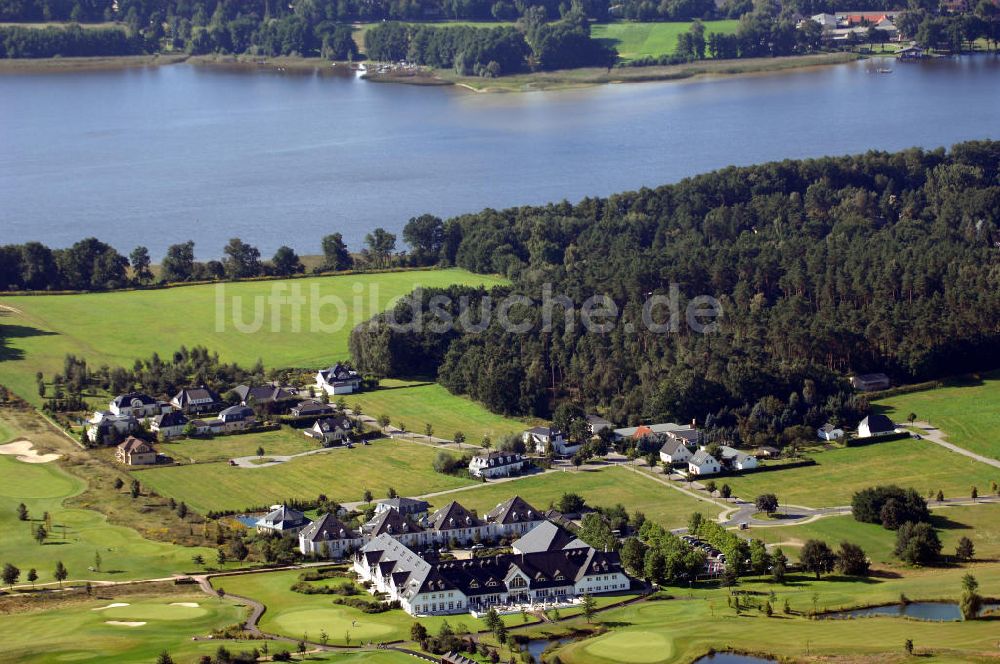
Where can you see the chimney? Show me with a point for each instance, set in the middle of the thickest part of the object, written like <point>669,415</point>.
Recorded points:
<point>694,425</point>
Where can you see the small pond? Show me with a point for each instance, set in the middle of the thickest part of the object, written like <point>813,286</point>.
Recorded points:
<point>732,658</point>
<point>537,646</point>
<point>936,611</point>
<point>248,520</point>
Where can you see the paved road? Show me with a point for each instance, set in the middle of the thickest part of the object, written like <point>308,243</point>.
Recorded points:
<point>935,435</point>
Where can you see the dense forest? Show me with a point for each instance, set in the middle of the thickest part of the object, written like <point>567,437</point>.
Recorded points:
<point>876,262</point>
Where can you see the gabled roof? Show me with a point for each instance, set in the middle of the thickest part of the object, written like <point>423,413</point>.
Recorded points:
<point>282,518</point>
<point>196,394</point>
<point>263,393</point>
<point>327,528</point>
<point>338,373</point>
<point>631,432</point>
<point>174,418</point>
<point>313,407</point>
<point>453,516</point>
<point>547,536</point>
<point>878,423</point>
<point>236,413</point>
<point>132,398</point>
<point>514,510</point>
<point>672,446</point>
<point>498,458</point>
<point>133,445</point>
<point>332,424</point>
<point>405,505</point>
<point>701,457</point>
<point>390,522</point>
<point>548,432</point>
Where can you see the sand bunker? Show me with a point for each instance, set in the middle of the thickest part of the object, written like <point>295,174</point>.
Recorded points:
<point>124,623</point>
<point>24,450</point>
<point>111,606</point>
<point>190,605</point>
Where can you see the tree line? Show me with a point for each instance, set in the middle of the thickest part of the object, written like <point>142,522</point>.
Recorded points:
<point>822,267</point>
<point>72,41</point>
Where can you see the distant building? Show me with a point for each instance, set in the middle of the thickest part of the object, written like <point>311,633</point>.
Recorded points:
<point>703,463</point>
<point>197,400</point>
<point>338,379</point>
<point>170,425</point>
<point>547,536</point>
<point>596,424</point>
<point>263,394</point>
<point>829,432</point>
<point>870,382</point>
<point>281,520</point>
<point>311,408</point>
<point>328,537</point>
<point>734,459</point>
<point>411,508</point>
<point>135,452</point>
<point>875,425</point>
<point>675,452</point>
<point>105,425</point>
<point>497,464</point>
<point>540,439</point>
<point>331,431</point>
<point>137,405</point>
<point>512,518</point>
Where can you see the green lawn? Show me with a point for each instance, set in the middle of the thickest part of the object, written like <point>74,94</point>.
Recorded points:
<point>43,488</point>
<point>417,403</point>
<point>965,410</point>
<point>285,441</point>
<point>117,328</point>
<point>637,40</point>
<point>342,474</point>
<point>839,473</point>
<point>607,487</point>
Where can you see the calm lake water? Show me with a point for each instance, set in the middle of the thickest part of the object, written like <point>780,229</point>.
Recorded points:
<point>162,155</point>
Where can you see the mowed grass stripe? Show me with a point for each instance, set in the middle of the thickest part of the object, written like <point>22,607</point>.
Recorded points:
<point>839,473</point>
<point>606,487</point>
<point>117,328</point>
<point>342,474</point>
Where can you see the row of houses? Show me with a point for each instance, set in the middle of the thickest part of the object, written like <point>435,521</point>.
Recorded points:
<point>840,27</point>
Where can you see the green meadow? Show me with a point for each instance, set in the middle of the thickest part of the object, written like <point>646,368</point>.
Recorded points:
<point>283,442</point>
<point>637,40</point>
<point>964,409</point>
<point>416,404</point>
<point>606,487</point>
<point>116,328</point>
<point>840,472</point>
<point>76,534</point>
<point>340,473</point>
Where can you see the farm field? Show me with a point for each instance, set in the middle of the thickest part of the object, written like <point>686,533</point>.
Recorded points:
<point>80,631</point>
<point>606,487</point>
<point>416,403</point>
<point>637,40</point>
<point>840,472</point>
<point>76,534</point>
<point>117,328</point>
<point>342,474</point>
<point>965,411</point>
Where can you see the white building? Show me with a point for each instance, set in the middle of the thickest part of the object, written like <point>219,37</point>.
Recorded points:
<point>338,379</point>
<point>875,425</point>
<point>327,537</point>
<point>497,464</point>
<point>137,405</point>
<point>540,439</point>
<point>674,452</point>
<point>281,520</point>
<point>703,463</point>
<point>829,432</point>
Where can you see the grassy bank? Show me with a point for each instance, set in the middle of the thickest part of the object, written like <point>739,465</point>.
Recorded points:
<point>64,65</point>
<point>635,40</point>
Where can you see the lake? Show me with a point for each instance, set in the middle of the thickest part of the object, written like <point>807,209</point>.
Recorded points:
<point>162,155</point>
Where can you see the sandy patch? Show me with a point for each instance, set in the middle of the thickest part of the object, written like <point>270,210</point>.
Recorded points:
<point>111,606</point>
<point>24,450</point>
<point>124,623</point>
<point>190,605</point>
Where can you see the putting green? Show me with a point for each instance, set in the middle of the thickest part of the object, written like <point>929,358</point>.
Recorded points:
<point>638,647</point>
<point>335,621</point>
<point>141,612</point>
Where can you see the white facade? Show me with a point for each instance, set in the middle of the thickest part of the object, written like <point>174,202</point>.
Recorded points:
<point>496,464</point>
<point>703,463</point>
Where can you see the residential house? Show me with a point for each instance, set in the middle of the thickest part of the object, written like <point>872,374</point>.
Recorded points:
<point>911,53</point>
<point>263,394</point>
<point>393,524</point>
<point>328,537</point>
<point>455,522</point>
<point>236,418</point>
<point>104,426</point>
<point>767,452</point>
<point>512,518</point>
<point>547,536</point>
<point>197,400</point>
<point>675,452</point>
<point>541,439</point>
<point>665,428</point>
<point>875,425</point>
<point>311,408</point>
<point>331,431</point>
<point>703,463</point>
<point>870,382</point>
<point>338,379</point>
<point>829,432</point>
<point>733,459</point>
<point>137,405</point>
<point>135,452</point>
<point>497,464</point>
<point>411,508</point>
<point>596,424</point>
<point>282,520</point>
<point>170,425</point>
<point>460,586</point>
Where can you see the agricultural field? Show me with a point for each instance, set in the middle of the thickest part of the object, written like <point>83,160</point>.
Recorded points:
<point>116,328</point>
<point>417,403</point>
<point>340,473</point>
<point>965,411</point>
<point>840,472</point>
<point>637,40</point>
<point>606,487</point>
<point>75,535</point>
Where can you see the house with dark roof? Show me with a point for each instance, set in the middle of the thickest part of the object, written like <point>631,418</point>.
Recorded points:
<point>137,405</point>
<point>390,522</point>
<point>497,463</point>
<point>675,452</point>
<point>197,400</point>
<point>311,408</point>
<point>338,379</point>
<point>453,521</point>
<point>547,536</point>
<point>328,537</point>
<point>170,424</point>
<point>703,463</point>
<point>281,520</point>
<point>541,439</point>
<point>263,394</point>
<point>234,418</point>
<point>135,452</point>
<point>329,431</point>
<point>596,423</point>
<point>544,578</point>
<point>411,508</point>
<point>512,518</point>
<point>875,425</point>
<point>870,382</point>
<point>106,427</point>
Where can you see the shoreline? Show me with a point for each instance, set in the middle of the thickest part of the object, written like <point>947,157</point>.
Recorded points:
<point>535,81</point>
